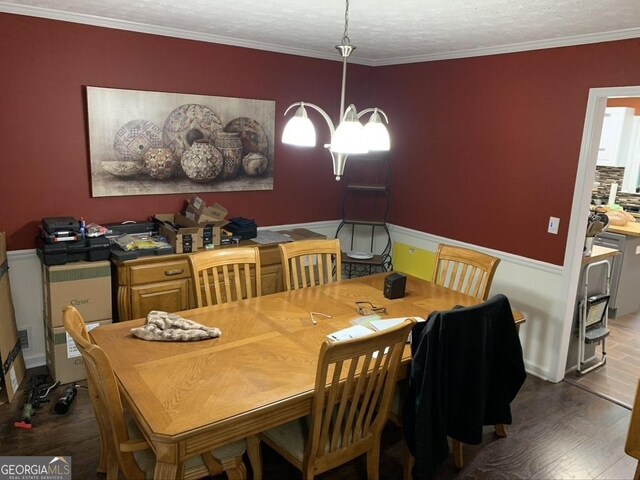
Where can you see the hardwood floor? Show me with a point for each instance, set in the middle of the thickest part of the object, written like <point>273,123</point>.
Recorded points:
<point>617,380</point>
<point>559,431</point>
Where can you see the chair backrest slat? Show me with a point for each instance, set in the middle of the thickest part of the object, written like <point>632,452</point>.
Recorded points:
<point>308,263</point>
<point>355,382</point>
<point>225,275</point>
<point>464,270</point>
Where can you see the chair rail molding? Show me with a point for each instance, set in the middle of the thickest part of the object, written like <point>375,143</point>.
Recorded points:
<point>532,286</point>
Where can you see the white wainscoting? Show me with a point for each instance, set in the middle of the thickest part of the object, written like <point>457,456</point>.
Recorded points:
<point>532,287</point>
<point>25,275</point>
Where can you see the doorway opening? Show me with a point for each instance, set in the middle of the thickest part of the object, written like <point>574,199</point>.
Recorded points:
<point>605,180</point>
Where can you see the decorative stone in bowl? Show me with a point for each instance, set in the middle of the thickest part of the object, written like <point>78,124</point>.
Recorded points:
<point>120,168</point>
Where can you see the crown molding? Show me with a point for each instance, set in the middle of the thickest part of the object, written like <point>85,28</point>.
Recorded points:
<point>162,31</point>
<point>235,42</point>
<point>515,47</point>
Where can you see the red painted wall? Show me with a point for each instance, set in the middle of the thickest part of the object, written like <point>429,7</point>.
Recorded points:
<point>44,158</point>
<point>486,149</point>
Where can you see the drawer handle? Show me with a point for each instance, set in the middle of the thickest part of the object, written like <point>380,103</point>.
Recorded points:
<point>171,273</point>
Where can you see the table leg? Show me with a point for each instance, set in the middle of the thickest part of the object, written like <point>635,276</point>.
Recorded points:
<point>167,465</point>
<point>165,470</point>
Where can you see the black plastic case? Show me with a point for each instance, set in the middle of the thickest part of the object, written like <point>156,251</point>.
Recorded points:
<point>53,225</point>
<point>60,253</point>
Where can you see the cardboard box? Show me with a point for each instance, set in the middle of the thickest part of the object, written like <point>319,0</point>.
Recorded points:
<point>197,211</point>
<point>11,358</point>
<point>63,358</point>
<point>184,239</point>
<point>85,285</point>
<point>209,232</point>
<point>197,203</point>
<point>190,236</point>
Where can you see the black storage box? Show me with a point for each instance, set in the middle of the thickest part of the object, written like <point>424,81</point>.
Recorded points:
<point>60,253</point>
<point>131,228</point>
<point>53,225</point>
<point>394,285</point>
<point>118,254</point>
<point>245,228</point>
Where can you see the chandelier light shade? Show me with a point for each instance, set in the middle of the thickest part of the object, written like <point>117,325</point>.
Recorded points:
<point>351,136</point>
<point>299,130</point>
<point>376,134</point>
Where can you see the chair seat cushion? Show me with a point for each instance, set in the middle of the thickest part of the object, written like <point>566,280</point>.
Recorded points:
<point>291,437</point>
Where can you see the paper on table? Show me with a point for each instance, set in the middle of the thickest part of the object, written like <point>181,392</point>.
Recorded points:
<point>357,331</point>
<point>383,324</point>
<point>379,325</point>
<point>364,320</point>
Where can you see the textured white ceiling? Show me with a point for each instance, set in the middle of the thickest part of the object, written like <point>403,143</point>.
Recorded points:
<point>385,31</point>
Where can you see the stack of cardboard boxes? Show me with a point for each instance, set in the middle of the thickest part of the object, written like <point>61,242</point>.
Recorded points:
<point>86,286</point>
<point>197,228</point>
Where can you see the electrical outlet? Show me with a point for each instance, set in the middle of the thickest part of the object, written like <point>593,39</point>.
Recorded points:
<point>553,225</point>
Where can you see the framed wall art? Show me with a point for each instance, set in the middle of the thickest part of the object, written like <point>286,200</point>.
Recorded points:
<point>146,143</point>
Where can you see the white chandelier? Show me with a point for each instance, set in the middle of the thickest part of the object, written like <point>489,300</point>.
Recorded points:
<point>351,137</point>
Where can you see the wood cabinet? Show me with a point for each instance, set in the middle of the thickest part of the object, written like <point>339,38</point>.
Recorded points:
<point>615,136</point>
<point>164,282</point>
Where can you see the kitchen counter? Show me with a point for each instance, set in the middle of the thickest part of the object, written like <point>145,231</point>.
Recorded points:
<point>625,274</point>
<point>599,253</point>
<point>631,229</point>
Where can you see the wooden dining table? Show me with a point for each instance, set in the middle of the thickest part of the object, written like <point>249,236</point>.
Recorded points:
<point>191,397</point>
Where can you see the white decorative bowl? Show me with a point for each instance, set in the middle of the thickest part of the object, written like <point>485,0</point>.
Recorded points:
<point>122,169</point>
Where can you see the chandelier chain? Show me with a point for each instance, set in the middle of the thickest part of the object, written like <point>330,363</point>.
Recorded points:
<point>345,35</point>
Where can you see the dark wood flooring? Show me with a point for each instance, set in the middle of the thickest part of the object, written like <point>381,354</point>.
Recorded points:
<point>559,431</point>
<point>617,379</point>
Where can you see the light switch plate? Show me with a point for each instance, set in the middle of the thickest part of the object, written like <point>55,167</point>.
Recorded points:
<point>554,222</point>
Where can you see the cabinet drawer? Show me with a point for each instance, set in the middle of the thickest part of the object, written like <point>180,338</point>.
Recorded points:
<point>159,272</point>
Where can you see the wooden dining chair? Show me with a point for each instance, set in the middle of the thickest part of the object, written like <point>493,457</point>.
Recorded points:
<point>470,272</point>
<point>225,275</point>
<point>355,380</point>
<point>632,445</point>
<point>124,449</point>
<point>465,270</point>
<point>83,340</point>
<point>467,367</point>
<point>308,263</point>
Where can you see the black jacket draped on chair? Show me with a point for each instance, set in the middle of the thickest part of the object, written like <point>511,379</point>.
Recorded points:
<point>466,369</point>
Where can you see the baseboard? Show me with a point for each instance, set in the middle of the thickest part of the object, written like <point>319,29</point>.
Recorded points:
<point>33,361</point>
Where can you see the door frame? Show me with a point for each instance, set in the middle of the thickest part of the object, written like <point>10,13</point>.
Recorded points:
<point>585,177</point>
